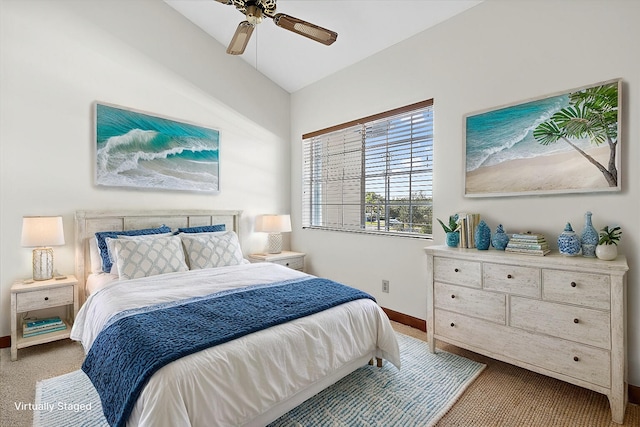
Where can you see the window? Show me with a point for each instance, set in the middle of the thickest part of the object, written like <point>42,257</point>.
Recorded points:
<point>372,175</point>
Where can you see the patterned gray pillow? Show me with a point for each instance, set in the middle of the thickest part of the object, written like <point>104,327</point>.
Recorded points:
<point>149,257</point>
<point>212,250</point>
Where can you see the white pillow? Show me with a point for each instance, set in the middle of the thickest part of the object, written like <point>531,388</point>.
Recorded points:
<point>148,257</point>
<point>94,255</point>
<point>212,250</point>
<point>111,248</point>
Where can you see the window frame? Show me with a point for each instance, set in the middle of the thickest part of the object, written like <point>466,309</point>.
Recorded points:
<point>308,194</point>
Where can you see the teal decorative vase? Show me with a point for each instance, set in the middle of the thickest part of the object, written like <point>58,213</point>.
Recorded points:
<point>483,236</point>
<point>569,242</point>
<point>453,238</point>
<point>500,239</point>
<point>589,237</point>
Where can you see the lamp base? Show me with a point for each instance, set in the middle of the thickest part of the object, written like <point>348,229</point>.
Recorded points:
<point>43,263</point>
<point>274,243</point>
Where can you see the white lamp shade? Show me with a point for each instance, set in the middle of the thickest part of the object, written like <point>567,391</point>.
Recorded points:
<point>39,231</point>
<point>274,223</point>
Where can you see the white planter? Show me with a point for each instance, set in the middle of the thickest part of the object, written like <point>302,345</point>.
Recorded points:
<point>606,252</point>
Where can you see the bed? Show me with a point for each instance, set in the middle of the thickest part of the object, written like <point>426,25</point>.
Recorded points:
<point>251,376</point>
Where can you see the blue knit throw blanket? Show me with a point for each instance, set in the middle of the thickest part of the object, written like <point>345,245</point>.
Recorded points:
<point>131,348</point>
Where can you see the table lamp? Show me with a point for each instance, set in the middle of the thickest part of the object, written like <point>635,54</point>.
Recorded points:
<point>275,225</point>
<point>42,232</point>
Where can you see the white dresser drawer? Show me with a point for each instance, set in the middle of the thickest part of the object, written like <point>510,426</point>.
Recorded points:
<point>588,290</point>
<point>472,302</point>
<point>578,324</point>
<point>512,279</point>
<point>556,355</point>
<point>459,272</point>
<point>44,299</point>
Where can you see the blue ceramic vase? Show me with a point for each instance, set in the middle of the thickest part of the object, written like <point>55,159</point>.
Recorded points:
<point>569,242</point>
<point>483,236</point>
<point>500,239</point>
<point>589,237</point>
<point>453,238</point>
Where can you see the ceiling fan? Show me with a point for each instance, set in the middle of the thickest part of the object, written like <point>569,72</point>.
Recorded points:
<point>256,10</point>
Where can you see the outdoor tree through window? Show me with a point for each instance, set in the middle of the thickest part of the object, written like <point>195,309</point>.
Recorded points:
<point>373,174</point>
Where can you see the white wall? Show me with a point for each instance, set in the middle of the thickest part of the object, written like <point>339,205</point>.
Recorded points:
<point>496,53</point>
<point>57,57</point>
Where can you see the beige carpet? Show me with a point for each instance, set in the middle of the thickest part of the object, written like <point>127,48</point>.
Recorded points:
<point>507,396</point>
<point>502,396</point>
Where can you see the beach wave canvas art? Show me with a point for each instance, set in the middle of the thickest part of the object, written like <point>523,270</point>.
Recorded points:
<point>135,149</point>
<point>562,143</point>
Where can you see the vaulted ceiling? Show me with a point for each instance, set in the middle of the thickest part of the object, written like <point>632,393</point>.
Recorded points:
<point>292,61</point>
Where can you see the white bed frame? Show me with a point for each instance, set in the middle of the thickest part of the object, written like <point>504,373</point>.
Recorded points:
<point>87,223</point>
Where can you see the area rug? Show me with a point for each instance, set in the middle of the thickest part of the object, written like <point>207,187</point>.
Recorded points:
<point>419,394</point>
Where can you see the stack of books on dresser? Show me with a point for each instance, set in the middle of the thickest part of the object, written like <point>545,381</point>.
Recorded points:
<point>42,326</point>
<point>467,227</point>
<point>528,244</point>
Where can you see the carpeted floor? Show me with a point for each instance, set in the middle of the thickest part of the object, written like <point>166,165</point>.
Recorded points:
<point>502,396</point>
<point>418,394</point>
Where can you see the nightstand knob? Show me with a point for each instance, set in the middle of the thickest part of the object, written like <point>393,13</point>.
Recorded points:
<point>46,298</point>
<point>453,296</point>
<point>453,324</point>
<point>574,284</point>
<point>287,264</point>
<point>509,276</point>
<point>576,320</point>
<point>576,358</point>
<point>456,270</point>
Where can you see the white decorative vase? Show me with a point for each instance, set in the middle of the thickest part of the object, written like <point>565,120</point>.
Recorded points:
<point>606,252</point>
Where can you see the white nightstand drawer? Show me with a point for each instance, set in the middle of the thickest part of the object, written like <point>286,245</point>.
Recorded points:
<point>293,263</point>
<point>44,299</point>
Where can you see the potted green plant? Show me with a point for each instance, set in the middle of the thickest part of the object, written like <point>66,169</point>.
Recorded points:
<point>451,230</point>
<point>607,248</point>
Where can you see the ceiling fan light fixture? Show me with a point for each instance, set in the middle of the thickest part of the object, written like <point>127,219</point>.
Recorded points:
<point>254,14</point>
<point>240,38</point>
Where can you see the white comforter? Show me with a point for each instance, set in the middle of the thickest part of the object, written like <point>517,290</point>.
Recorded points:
<point>242,381</point>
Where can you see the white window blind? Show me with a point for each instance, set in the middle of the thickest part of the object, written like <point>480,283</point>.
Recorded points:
<point>372,175</point>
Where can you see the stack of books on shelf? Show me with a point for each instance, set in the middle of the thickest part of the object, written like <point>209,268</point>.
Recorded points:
<point>528,243</point>
<point>34,327</point>
<point>468,223</point>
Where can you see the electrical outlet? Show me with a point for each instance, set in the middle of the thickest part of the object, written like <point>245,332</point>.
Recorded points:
<point>385,286</point>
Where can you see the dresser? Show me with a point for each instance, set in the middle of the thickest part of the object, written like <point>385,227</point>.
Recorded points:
<point>559,316</point>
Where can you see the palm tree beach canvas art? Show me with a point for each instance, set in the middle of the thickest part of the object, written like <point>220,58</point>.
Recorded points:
<point>135,149</point>
<point>565,143</point>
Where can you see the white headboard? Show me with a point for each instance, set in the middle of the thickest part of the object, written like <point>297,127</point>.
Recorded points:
<point>87,223</point>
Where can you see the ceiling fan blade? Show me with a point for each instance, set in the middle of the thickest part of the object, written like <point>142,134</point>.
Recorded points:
<point>240,38</point>
<point>304,28</point>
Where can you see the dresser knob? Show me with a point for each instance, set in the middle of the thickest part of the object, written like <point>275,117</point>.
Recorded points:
<point>574,284</point>
<point>576,321</point>
<point>509,276</point>
<point>576,358</point>
<point>453,324</point>
<point>46,298</point>
<point>453,296</point>
<point>456,270</point>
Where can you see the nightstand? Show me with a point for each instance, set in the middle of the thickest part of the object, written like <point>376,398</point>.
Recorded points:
<point>293,260</point>
<point>28,298</point>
